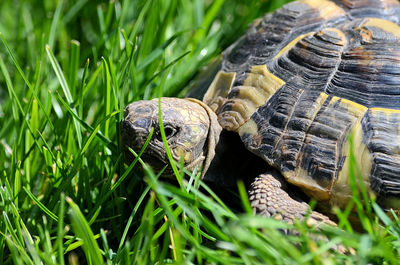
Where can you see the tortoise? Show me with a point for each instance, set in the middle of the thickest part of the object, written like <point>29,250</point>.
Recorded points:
<point>307,89</point>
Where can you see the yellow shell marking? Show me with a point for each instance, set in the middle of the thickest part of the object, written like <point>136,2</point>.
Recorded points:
<point>383,24</point>
<point>300,37</point>
<point>341,191</point>
<point>257,89</point>
<point>249,127</point>
<point>219,89</point>
<point>327,9</point>
<point>300,177</point>
<point>264,81</point>
<point>291,44</point>
<point>308,185</point>
<point>387,111</point>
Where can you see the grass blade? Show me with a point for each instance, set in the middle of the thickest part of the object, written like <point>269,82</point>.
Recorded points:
<point>82,230</point>
<point>67,92</point>
<point>41,205</point>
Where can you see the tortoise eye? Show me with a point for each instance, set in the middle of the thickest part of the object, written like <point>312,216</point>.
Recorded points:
<point>169,132</point>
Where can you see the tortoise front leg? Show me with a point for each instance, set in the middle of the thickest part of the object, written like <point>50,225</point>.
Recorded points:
<point>268,198</point>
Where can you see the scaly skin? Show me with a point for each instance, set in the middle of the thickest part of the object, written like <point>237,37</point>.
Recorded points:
<point>269,199</point>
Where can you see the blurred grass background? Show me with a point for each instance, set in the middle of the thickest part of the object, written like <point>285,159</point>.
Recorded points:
<point>67,70</point>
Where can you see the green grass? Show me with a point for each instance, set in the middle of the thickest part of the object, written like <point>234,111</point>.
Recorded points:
<point>67,70</point>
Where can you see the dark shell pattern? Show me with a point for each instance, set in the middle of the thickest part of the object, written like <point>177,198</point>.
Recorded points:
<point>314,83</point>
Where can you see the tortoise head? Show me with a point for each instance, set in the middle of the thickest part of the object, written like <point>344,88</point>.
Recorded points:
<point>191,129</point>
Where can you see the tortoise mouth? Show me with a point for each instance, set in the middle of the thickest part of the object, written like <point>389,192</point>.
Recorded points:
<point>135,138</point>
<point>154,154</point>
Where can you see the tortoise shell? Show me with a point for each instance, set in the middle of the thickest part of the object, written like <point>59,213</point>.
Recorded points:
<point>313,82</point>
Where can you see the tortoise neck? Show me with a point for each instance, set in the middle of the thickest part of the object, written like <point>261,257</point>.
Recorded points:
<point>232,161</point>
<point>214,132</point>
